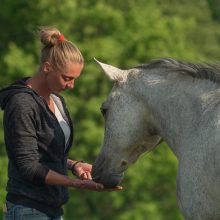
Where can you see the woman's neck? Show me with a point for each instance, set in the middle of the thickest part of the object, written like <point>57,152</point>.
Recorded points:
<point>39,85</point>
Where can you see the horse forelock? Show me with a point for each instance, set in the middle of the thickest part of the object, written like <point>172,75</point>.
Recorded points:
<point>199,71</point>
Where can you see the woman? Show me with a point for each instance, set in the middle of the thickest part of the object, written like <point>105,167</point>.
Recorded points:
<point>39,133</point>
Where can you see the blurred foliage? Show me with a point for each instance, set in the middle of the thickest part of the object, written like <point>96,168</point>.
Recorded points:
<point>125,34</point>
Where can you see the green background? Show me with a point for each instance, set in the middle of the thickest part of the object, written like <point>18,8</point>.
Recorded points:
<point>124,34</point>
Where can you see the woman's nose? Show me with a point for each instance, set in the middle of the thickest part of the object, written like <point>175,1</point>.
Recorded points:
<point>70,85</point>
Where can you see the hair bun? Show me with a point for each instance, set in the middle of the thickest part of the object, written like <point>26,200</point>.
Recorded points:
<point>49,36</point>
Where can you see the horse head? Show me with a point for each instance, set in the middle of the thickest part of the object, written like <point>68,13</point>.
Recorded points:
<point>129,128</point>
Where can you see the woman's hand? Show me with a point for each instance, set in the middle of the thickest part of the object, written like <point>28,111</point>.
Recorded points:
<point>91,185</point>
<point>54,178</point>
<point>83,170</point>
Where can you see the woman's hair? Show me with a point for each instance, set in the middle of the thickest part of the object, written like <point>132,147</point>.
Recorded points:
<point>57,50</point>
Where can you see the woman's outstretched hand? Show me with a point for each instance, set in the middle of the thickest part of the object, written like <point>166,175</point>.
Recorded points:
<point>83,171</point>
<point>54,178</point>
<point>92,185</point>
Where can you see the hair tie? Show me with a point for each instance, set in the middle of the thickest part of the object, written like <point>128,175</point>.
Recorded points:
<point>61,38</point>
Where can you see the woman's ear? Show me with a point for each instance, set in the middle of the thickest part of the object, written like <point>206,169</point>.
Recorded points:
<point>46,67</point>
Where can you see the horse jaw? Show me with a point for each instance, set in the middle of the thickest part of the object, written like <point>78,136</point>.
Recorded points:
<point>112,72</point>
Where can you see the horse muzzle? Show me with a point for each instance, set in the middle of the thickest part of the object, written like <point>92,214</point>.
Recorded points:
<point>108,179</point>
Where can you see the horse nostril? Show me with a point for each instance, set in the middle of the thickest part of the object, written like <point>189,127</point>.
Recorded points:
<point>124,163</point>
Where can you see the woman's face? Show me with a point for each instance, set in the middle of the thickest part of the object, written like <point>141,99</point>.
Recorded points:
<point>59,81</point>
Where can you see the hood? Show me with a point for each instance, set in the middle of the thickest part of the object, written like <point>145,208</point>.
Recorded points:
<point>15,88</point>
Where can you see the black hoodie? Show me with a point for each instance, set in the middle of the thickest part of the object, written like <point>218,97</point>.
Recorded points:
<point>35,143</point>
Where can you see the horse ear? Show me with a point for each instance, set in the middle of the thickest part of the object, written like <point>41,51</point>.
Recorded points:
<point>112,72</point>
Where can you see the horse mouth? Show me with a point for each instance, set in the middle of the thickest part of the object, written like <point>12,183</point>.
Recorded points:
<point>107,177</point>
<point>109,180</point>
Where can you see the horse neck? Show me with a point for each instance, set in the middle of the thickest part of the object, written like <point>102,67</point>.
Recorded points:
<point>175,104</point>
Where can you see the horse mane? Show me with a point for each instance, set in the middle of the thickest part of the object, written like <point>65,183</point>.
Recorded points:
<point>200,71</point>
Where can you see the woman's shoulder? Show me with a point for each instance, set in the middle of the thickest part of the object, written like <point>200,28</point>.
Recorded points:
<point>22,101</point>
<point>23,97</point>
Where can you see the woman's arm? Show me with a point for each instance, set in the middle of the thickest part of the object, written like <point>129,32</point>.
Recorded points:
<point>80,169</point>
<point>70,163</point>
<point>21,138</point>
<point>54,178</point>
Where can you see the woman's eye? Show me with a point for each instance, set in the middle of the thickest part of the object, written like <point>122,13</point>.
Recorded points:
<point>67,79</point>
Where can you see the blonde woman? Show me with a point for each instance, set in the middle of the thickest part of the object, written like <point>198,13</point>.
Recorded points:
<point>39,133</point>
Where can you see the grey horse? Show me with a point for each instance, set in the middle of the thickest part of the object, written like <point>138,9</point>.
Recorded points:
<point>167,100</point>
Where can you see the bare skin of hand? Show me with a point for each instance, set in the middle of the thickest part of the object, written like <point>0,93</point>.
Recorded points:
<point>54,178</point>
<point>91,185</point>
<point>83,171</point>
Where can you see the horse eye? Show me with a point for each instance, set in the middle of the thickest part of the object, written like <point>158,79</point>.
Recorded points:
<point>103,111</point>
